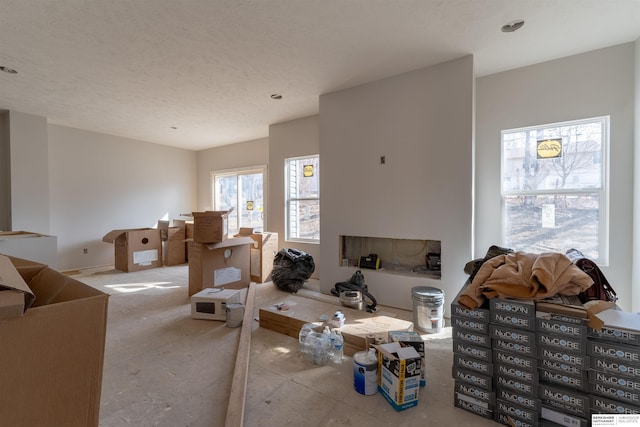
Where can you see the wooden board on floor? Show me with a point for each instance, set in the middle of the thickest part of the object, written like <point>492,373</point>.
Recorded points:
<point>295,311</point>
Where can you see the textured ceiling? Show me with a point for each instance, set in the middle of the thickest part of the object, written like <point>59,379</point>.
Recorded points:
<point>138,68</point>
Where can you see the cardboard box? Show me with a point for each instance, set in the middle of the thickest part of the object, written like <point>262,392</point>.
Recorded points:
<point>173,248</point>
<point>263,251</point>
<point>471,337</point>
<point>565,400</point>
<point>28,245</point>
<point>600,405</point>
<point>619,326</point>
<point>136,248</point>
<point>513,359</point>
<point>517,412</point>
<point>466,349</point>
<point>188,234</point>
<point>399,374</point>
<point>413,339</point>
<point>516,307</point>
<point>211,303</point>
<point>470,324</point>
<point>219,264</point>
<point>473,405</point>
<point>163,226</point>
<point>513,320</point>
<point>487,397</point>
<point>614,352</point>
<point>211,226</point>
<point>562,418</point>
<point>52,357</point>
<point>472,377</point>
<point>15,295</point>
<point>615,367</point>
<point>472,364</point>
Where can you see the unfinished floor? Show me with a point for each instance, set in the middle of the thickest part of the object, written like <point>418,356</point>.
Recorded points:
<point>163,368</point>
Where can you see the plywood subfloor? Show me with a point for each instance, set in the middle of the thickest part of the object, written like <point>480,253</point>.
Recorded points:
<point>163,368</point>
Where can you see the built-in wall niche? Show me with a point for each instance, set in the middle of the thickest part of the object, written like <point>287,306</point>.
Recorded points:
<point>413,257</point>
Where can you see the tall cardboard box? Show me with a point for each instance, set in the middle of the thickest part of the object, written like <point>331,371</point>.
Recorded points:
<point>136,248</point>
<point>52,357</point>
<point>263,250</point>
<point>210,226</point>
<point>188,232</point>
<point>219,264</point>
<point>174,246</point>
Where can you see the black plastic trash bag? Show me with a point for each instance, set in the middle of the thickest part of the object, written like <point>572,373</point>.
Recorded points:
<point>291,268</point>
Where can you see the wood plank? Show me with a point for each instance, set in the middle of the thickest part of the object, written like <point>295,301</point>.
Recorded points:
<point>300,310</point>
<point>237,397</point>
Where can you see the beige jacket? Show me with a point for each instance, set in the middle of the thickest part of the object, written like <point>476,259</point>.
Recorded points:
<point>525,276</point>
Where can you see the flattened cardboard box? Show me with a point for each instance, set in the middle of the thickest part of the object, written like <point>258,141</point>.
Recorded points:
<point>52,357</point>
<point>225,264</point>
<point>136,248</point>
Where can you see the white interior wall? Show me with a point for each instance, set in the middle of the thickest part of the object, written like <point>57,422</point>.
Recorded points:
<point>5,173</point>
<point>635,261</point>
<point>101,182</point>
<point>592,84</point>
<point>244,154</point>
<point>422,123</point>
<point>293,139</point>
<point>29,168</point>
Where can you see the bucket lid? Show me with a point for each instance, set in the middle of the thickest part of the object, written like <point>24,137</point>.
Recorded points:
<point>427,294</point>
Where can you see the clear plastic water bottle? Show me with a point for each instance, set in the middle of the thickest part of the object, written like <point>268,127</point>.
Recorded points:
<point>338,345</point>
<point>304,331</point>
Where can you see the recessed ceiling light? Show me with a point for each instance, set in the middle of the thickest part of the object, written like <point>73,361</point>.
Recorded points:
<point>276,96</point>
<point>512,26</point>
<point>8,70</point>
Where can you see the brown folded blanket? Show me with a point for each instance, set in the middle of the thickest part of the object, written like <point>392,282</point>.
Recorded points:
<point>525,276</point>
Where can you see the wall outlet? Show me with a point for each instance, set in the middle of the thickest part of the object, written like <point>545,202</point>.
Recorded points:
<point>85,250</point>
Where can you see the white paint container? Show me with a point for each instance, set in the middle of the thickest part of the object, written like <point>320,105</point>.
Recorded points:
<point>428,309</point>
<point>365,372</point>
<point>235,314</point>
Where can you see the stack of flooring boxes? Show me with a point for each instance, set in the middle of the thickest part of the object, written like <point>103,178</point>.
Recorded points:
<point>529,364</point>
<point>472,360</point>
<point>563,365</point>
<point>614,374</point>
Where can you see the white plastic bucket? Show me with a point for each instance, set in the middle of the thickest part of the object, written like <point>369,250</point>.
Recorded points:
<point>428,308</point>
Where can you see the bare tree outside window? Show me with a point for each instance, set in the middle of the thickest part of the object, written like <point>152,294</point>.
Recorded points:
<point>553,187</point>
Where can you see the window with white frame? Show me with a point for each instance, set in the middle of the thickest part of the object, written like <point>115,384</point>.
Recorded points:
<point>555,188</point>
<point>302,199</point>
<point>243,190</point>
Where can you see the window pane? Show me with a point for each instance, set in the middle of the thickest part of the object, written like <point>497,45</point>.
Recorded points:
<point>304,178</point>
<point>558,157</point>
<point>251,207</point>
<point>244,192</point>
<point>304,220</point>
<point>226,197</point>
<point>553,223</point>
